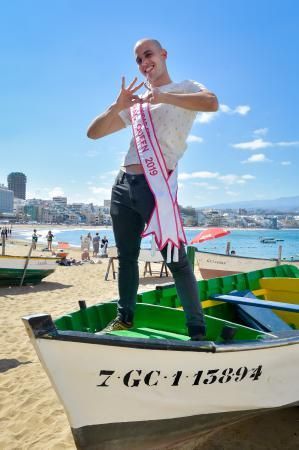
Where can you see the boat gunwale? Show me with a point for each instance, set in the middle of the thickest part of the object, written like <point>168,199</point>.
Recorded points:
<point>279,262</point>
<point>39,331</point>
<point>42,258</point>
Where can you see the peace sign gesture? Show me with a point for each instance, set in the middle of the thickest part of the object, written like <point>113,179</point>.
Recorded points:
<point>126,97</point>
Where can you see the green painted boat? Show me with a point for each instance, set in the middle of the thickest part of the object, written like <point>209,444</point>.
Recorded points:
<point>150,387</point>
<point>37,267</point>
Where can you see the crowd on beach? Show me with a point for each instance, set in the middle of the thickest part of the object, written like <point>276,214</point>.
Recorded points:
<point>99,247</point>
<point>5,232</point>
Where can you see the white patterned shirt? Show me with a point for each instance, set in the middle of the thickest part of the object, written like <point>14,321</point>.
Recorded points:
<point>172,124</point>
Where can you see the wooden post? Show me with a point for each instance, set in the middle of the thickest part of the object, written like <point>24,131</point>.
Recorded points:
<point>191,255</point>
<point>279,254</point>
<point>3,244</point>
<point>227,250</point>
<point>26,264</point>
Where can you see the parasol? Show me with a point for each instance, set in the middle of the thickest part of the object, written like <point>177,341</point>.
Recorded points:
<point>210,233</point>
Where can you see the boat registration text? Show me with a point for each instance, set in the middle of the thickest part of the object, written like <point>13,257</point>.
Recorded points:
<point>138,377</point>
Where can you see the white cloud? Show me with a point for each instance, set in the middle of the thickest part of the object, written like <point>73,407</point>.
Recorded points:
<point>56,192</point>
<point>248,177</point>
<point>257,158</point>
<point>253,145</point>
<point>224,108</point>
<point>235,179</point>
<point>286,163</point>
<point>242,110</point>
<point>260,143</point>
<point>206,117</point>
<point>203,174</point>
<point>228,179</point>
<point>261,131</point>
<point>100,190</point>
<point>205,185</point>
<point>193,138</point>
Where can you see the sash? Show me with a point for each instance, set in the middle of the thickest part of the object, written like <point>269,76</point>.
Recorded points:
<point>165,222</point>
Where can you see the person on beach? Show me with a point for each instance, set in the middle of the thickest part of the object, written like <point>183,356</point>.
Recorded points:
<point>104,246</point>
<point>85,255</point>
<point>96,244</point>
<point>171,109</point>
<point>34,239</point>
<point>50,240</point>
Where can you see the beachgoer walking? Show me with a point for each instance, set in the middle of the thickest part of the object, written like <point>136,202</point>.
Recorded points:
<point>161,120</point>
<point>104,246</point>
<point>50,237</point>
<point>96,244</point>
<point>85,243</point>
<point>34,239</point>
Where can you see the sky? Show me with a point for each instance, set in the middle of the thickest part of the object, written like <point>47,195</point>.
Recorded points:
<point>61,65</point>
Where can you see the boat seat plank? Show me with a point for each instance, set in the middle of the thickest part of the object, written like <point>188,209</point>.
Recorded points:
<point>281,306</point>
<point>257,317</point>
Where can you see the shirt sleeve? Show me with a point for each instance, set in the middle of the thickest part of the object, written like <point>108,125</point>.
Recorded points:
<point>125,117</point>
<point>194,86</point>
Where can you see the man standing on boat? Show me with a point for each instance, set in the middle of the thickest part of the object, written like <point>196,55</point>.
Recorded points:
<point>145,188</point>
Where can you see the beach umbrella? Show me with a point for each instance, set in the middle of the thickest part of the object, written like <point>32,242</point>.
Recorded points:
<point>63,245</point>
<point>210,233</point>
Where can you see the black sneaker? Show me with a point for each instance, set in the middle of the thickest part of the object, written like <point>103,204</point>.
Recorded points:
<point>199,337</point>
<point>117,325</point>
<point>197,332</point>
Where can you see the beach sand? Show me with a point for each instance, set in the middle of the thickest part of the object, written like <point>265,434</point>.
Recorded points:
<point>31,416</point>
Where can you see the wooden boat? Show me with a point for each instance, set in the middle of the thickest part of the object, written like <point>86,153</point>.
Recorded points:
<point>150,386</point>
<point>12,269</point>
<point>213,265</point>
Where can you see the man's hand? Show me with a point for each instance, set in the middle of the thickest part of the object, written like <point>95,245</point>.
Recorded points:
<point>154,96</point>
<point>126,97</point>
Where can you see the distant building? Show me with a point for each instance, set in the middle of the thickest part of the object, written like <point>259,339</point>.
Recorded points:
<point>6,200</point>
<point>18,208</point>
<point>107,203</point>
<point>17,183</point>
<point>32,211</point>
<point>60,201</point>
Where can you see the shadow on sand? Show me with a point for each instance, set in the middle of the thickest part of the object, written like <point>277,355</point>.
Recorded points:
<point>42,287</point>
<point>7,364</point>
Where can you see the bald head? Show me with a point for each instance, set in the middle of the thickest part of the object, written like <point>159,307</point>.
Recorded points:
<point>152,41</point>
<point>151,60</point>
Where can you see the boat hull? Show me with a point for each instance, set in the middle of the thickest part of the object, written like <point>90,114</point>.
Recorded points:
<point>213,265</point>
<point>154,434</point>
<point>12,269</point>
<point>133,392</point>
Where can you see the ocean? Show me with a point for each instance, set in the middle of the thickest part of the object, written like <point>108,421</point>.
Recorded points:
<point>244,242</point>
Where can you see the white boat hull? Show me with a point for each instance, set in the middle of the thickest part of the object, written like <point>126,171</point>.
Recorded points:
<point>12,269</point>
<point>213,265</point>
<point>114,394</point>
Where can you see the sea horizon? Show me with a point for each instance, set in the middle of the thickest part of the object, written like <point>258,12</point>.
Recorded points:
<point>245,242</point>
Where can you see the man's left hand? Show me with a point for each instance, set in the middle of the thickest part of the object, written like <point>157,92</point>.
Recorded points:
<point>154,97</point>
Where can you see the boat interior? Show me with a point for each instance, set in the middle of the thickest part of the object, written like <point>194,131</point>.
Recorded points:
<point>253,306</point>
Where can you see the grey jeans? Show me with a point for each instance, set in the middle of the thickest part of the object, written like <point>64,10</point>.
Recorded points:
<point>132,203</point>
